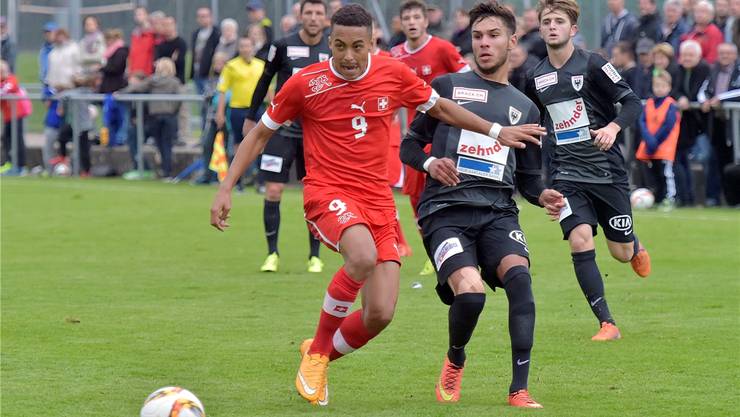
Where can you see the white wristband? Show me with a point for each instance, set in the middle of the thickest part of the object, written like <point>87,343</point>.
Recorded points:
<point>495,130</point>
<point>428,162</point>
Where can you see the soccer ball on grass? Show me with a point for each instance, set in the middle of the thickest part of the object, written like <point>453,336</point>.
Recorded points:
<point>172,402</point>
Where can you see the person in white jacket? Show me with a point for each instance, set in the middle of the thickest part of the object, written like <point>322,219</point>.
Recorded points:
<point>64,62</point>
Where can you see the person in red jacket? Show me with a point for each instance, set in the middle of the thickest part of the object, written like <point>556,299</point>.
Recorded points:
<point>9,86</point>
<point>141,56</point>
<point>705,32</point>
<point>660,125</point>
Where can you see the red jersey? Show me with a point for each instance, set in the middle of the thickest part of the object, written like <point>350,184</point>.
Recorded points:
<point>433,58</point>
<point>346,123</point>
<point>395,166</point>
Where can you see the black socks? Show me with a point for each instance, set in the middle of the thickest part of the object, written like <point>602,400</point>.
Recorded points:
<point>463,317</point>
<point>271,218</point>
<point>314,245</point>
<point>518,287</point>
<point>589,278</point>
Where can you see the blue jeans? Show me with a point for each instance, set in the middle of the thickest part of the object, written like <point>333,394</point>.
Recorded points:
<point>119,137</point>
<point>703,153</point>
<point>684,181</point>
<point>164,127</point>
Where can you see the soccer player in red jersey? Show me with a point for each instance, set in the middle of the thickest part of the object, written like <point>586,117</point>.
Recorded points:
<point>346,105</point>
<point>429,57</point>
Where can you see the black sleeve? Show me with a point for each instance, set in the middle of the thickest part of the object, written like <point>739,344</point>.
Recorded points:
<point>529,166</point>
<point>630,112</point>
<point>608,80</point>
<point>192,54</point>
<point>421,131</point>
<point>182,50</point>
<point>278,50</point>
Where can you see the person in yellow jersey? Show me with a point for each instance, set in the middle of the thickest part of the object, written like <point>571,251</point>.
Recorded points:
<point>239,77</point>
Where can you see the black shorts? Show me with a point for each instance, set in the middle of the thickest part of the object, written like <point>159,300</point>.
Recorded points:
<point>605,204</point>
<point>279,155</point>
<point>462,236</point>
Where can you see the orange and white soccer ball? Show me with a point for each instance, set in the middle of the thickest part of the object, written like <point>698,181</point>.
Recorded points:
<point>642,199</point>
<point>172,402</point>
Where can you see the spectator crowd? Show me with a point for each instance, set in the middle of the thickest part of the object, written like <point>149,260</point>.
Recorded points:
<point>683,52</point>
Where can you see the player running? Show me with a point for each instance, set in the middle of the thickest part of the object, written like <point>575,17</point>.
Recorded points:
<point>467,215</point>
<point>286,57</point>
<point>429,57</point>
<point>577,90</point>
<point>346,106</point>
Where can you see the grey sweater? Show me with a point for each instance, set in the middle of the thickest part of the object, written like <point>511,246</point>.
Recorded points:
<point>158,85</point>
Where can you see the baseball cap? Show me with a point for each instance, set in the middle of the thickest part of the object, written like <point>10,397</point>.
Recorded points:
<point>255,5</point>
<point>50,26</point>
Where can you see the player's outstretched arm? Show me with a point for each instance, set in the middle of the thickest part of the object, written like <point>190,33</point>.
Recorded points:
<point>247,152</point>
<point>512,136</point>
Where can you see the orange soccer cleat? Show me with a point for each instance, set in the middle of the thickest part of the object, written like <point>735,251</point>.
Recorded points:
<point>522,399</point>
<point>449,383</point>
<point>641,262</point>
<point>608,331</point>
<point>311,378</point>
<point>323,398</point>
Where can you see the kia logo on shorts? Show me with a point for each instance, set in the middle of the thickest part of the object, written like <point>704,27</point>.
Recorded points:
<point>623,222</point>
<point>518,236</point>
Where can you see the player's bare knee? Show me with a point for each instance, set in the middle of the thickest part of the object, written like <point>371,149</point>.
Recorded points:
<point>581,238</point>
<point>360,265</point>
<point>466,280</point>
<point>274,191</point>
<point>621,251</point>
<point>377,318</point>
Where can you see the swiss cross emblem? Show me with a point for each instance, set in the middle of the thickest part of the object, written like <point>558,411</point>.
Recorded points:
<point>383,103</point>
<point>426,69</point>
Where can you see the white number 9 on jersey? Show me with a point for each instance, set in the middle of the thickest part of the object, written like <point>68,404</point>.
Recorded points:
<point>338,205</point>
<point>359,123</point>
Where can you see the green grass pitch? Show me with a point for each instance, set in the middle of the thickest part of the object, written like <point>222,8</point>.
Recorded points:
<point>111,290</point>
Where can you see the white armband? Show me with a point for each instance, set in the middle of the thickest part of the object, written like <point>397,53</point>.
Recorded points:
<point>428,162</point>
<point>495,130</point>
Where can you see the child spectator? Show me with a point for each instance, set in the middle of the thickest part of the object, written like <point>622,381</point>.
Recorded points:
<point>659,127</point>
<point>9,85</point>
<point>52,122</point>
<point>163,114</point>
<point>80,111</point>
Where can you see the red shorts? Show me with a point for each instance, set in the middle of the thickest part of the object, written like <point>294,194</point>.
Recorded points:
<point>331,211</point>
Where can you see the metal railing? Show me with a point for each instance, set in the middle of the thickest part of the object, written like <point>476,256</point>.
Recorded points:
<point>138,101</point>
